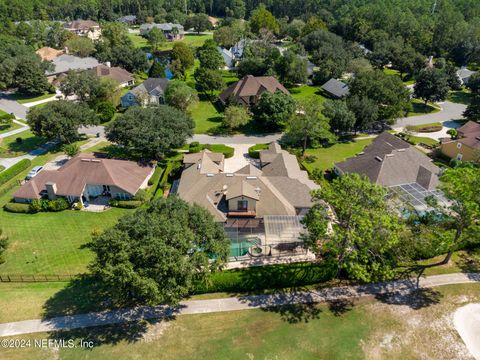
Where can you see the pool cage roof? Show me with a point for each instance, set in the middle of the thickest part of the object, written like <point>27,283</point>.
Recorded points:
<point>283,228</point>
<point>415,195</point>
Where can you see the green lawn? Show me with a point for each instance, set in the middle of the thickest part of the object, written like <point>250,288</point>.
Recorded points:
<point>462,97</point>
<point>206,117</point>
<point>325,157</point>
<point>419,108</point>
<point>420,139</point>
<point>24,99</point>
<point>51,243</point>
<point>9,147</point>
<point>189,39</point>
<point>422,127</point>
<point>304,91</point>
<point>406,327</point>
<point>7,128</point>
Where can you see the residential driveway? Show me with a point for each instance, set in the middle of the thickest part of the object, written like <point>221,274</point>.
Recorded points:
<point>236,139</point>
<point>450,111</point>
<point>92,130</point>
<point>394,291</point>
<point>11,106</point>
<point>239,159</point>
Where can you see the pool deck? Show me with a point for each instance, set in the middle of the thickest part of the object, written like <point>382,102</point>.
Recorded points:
<point>270,260</point>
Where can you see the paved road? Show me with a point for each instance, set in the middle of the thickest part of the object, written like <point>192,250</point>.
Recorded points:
<point>400,288</point>
<point>11,106</point>
<point>236,139</point>
<point>450,111</point>
<point>16,131</point>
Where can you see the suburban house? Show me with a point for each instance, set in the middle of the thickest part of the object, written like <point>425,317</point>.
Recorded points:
<point>464,75</point>
<point>392,162</point>
<point>171,31</point>
<point>48,54</point>
<point>128,19</point>
<point>85,178</point>
<point>336,88</point>
<point>249,89</point>
<point>260,208</point>
<point>88,28</point>
<point>65,63</point>
<point>228,58</point>
<point>150,92</point>
<point>120,75</point>
<point>466,146</point>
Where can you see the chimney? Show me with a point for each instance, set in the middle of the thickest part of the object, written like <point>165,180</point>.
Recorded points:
<point>51,190</point>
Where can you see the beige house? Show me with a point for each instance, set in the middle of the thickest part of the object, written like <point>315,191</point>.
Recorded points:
<point>466,146</point>
<point>86,178</point>
<point>279,187</point>
<point>88,28</point>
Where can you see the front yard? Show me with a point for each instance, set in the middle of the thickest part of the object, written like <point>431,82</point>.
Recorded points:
<point>25,99</point>
<point>12,147</point>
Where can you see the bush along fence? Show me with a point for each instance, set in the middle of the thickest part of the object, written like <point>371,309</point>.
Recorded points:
<point>14,170</point>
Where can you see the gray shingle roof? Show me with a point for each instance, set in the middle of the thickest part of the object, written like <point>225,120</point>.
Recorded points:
<point>336,88</point>
<point>150,85</point>
<point>64,63</point>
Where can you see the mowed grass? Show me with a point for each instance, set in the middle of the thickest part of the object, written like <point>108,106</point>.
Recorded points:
<point>24,99</point>
<point>415,326</point>
<point>326,157</point>
<point>51,243</point>
<point>189,39</point>
<point>305,91</point>
<point>6,128</point>
<point>419,108</point>
<point>206,116</point>
<point>9,147</point>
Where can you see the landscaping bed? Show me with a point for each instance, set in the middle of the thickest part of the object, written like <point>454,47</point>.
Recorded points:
<point>425,128</point>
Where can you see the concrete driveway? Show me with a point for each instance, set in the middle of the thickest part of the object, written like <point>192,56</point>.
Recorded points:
<point>450,111</point>
<point>239,159</point>
<point>11,106</point>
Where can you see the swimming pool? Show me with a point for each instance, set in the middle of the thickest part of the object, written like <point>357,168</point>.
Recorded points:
<point>239,247</point>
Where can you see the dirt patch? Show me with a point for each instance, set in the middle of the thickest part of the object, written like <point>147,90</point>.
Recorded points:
<point>155,331</point>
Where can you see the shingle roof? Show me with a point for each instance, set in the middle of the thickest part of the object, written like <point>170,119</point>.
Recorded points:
<point>390,161</point>
<point>336,88</point>
<point>118,74</point>
<point>242,188</point>
<point>80,25</point>
<point>84,169</point>
<point>251,85</point>
<point>163,26</point>
<point>64,63</point>
<point>470,134</point>
<point>151,84</point>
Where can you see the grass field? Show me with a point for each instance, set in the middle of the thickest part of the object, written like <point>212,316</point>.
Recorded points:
<point>9,147</point>
<point>304,91</point>
<point>325,157</point>
<point>7,128</point>
<point>419,108</point>
<point>206,117</point>
<point>421,139</point>
<point>189,39</point>
<point>415,326</point>
<point>24,99</point>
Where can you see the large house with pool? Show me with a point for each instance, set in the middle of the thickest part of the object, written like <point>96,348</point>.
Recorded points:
<point>87,179</point>
<point>257,204</point>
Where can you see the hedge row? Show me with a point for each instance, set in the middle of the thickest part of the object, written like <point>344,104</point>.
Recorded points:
<point>18,208</point>
<point>154,181</point>
<point>14,170</point>
<point>126,204</point>
<point>196,147</point>
<point>36,206</point>
<point>253,151</point>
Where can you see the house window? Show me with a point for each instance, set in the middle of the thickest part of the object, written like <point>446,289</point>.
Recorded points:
<point>459,145</point>
<point>459,157</point>
<point>242,205</point>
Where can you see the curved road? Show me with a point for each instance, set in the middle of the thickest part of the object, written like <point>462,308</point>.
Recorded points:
<point>398,288</point>
<point>450,111</point>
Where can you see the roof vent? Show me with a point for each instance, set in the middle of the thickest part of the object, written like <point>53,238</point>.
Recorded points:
<point>251,178</point>
<point>401,150</point>
<point>96,160</point>
<point>378,158</point>
<point>229,175</point>
<point>199,165</point>
<point>390,155</point>
<point>86,160</point>
<point>477,138</point>
<point>224,187</point>
<point>210,175</point>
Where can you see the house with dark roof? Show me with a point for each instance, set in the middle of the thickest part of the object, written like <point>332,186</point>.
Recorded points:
<point>466,146</point>
<point>391,161</point>
<point>171,31</point>
<point>64,63</point>
<point>150,92</point>
<point>128,20</point>
<point>88,28</point>
<point>85,178</point>
<point>248,90</point>
<point>120,75</point>
<point>336,88</point>
<point>278,187</point>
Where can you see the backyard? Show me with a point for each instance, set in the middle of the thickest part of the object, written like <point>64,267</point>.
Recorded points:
<point>416,325</point>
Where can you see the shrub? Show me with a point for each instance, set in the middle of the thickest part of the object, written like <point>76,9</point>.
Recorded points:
<point>17,208</point>
<point>253,151</point>
<point>155,176</point>
<point>309,159</point>
<point>425,128</point>
<point>453,133</point>
<point>141,195</point>
<point>14,170</point>
<point>194,147</point>
<point>36,206</point>
<point>71,149</point>
<point>18,140</point>
<point>126,204</point>
<point>166,173</point>
<point>58,204</point>
<point>159,193</point>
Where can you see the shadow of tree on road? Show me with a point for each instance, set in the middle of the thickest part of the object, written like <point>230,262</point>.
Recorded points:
<point>413,298</point>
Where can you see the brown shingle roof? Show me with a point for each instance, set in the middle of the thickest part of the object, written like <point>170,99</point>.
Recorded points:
<point>84,169</point>
<point>118,74</point>
<point>251,86</point>
<point>470,134</point>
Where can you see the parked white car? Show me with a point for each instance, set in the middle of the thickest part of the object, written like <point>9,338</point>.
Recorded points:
<point>34,172</point>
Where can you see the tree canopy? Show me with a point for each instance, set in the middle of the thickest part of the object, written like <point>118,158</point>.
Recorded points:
<point>180,95</point>
<point>151,131</point>
<point>274,110</point>
<point>158,253</point>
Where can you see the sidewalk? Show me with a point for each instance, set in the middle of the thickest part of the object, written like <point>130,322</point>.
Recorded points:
<point>400,287</point>
<point>16,131</point>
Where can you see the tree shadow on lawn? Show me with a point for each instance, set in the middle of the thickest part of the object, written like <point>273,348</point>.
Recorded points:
<point>85,295</point>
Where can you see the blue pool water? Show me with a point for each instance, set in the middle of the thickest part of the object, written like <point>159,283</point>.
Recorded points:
<point>240,247</point>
